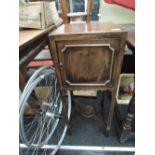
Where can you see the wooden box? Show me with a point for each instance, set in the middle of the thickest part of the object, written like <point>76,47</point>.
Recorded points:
<point>38,15</point>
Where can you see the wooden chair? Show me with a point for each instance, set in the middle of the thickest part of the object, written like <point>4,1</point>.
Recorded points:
<point>75,16</point>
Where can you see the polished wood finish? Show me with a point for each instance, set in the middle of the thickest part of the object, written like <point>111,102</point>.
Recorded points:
<point>93,28</point>
<point>31,42</point>
<point>80,28</point>
<point>89,57</point>
<point>67,17</point>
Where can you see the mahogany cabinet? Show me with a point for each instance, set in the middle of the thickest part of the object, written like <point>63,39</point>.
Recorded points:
<point>89,56</point>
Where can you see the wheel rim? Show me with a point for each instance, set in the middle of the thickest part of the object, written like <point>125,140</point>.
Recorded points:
<point>44,116</point>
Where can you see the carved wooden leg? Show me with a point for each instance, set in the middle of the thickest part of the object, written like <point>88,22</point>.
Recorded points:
<point>110,113</point>
<point>125,132</point>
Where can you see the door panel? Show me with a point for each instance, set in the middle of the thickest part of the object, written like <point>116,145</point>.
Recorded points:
<point>87,64</point>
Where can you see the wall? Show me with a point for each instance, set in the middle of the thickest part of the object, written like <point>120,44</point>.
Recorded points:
<point>115,13</point>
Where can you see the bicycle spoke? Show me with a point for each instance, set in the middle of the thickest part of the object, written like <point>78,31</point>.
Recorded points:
<point>42,127</point>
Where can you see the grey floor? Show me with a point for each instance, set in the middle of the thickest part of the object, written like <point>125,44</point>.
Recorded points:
<point>88,132</point>
<point>92,153</point>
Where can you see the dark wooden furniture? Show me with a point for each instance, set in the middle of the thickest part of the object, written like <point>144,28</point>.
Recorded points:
<point>127,129</point>
<point>88,56</point>
<point>31,42</point>
<point>67,16</point>
<point>127,123</point>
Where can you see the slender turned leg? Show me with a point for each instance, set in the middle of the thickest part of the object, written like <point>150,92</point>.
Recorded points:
<point>110,113</point>
<point>125,132</point>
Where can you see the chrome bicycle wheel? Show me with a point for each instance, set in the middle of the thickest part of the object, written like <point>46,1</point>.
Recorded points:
<point>41,125</point>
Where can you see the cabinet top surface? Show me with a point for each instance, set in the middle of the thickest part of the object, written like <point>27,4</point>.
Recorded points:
<point>82,28</point>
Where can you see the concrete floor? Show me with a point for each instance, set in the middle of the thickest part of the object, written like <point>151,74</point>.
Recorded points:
<point>92,153</point>
<point>87,132</point>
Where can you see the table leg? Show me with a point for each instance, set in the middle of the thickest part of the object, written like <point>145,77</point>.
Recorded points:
<point>110,113</point>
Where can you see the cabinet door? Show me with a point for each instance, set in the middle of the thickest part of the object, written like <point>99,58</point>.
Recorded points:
<point>87,63</point>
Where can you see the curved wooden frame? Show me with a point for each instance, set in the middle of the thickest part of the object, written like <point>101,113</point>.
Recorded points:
<point>64,50</point>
